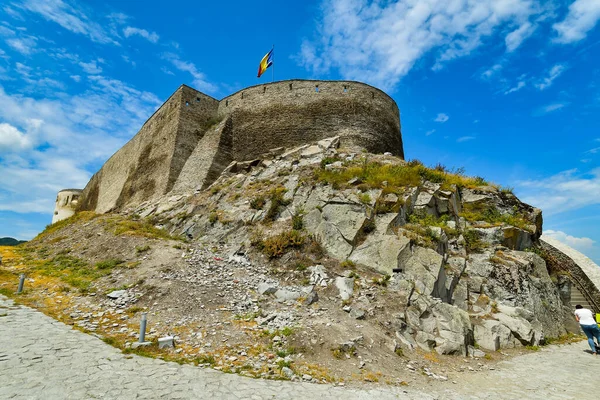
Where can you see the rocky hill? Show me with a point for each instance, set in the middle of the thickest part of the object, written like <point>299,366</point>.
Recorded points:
<point>315,263</point>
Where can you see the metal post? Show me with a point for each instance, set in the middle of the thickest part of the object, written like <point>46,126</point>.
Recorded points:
<point>143,328</point>
<point>21,282</point>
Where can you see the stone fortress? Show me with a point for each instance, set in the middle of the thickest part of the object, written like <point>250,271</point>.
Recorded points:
<point>192,137</point>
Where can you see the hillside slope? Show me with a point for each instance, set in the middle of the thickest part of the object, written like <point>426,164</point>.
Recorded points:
<point>314,263</point>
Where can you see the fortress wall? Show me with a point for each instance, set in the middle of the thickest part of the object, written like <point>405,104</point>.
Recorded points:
<point>582,272</point>
<point>196,169</point>
<point>198,113</point>
<point>181,146</point>
<point>290,113</point>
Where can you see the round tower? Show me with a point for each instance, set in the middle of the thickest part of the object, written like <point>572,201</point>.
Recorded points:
<point>66,203</point>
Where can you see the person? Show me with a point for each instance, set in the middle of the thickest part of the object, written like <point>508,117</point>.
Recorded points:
<point>588,324</point>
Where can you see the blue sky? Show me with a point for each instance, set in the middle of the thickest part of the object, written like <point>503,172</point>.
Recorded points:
<point>508,89</point>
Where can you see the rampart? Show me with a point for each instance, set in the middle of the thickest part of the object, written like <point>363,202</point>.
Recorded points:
<point>581,271</point>
<point>192,137</point>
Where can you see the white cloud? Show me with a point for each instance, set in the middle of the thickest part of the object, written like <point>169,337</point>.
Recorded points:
<point>514,39</point>
<point>465,138</point>
<point>493,70</point>
<point>150,36</point>
<point>128,60</point>
<point>69,135</point>
<point>519,86</point>
<point>91,68</point>
<point>167,71</point>
<point>199,82</point>
<point>25,45</point>
<point>582,17</point>
<point>380,41</point>
<point>441,117</point>
<point>76,78</point>
<point>11,139</point>
<point>568,190</point>
<point>70,18</point>
<point>549,108</point>
<point>594,150</point>
<point>578,243</point>
<point>430,132</point>
<point>554,73</point>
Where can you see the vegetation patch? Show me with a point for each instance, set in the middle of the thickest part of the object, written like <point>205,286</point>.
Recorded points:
<point>277,202</point>
<point>277,245</point>
<point>487,213</point>
<point>376,175</point>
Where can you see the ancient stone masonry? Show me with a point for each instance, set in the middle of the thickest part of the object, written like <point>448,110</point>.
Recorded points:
<point>582,272</point>
<point>192,137</point>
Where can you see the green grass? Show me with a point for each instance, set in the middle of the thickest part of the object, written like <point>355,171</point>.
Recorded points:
<point>277,202</point>
<point>491,215</point>
<point>74,271</point>
<point>81,216</point>
<point>372,175</point>
<point>141,249</point>
<point>142,228</point>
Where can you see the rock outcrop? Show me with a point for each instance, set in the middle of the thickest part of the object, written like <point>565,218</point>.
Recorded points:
<point>455,253</point>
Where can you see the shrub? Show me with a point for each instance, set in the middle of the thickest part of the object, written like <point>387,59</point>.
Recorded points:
<point>141,249</point>
<point>277,245</point>
<point>297,220</point>
<point>473,241</point>
<point>258,203</point>
<point>108,264</point>
<point>277,201</point>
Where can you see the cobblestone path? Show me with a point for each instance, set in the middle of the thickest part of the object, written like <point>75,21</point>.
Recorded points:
<point>41,358</point>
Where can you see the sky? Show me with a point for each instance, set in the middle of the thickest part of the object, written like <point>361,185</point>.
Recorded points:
<point>507,89</point>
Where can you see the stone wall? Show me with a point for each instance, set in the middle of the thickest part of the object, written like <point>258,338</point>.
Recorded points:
<point>192,137</point>
<point>289,113</point>
<point>583,273</point>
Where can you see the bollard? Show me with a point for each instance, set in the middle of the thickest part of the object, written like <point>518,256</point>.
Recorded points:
<point>143,328</point>
<point>21,282</point>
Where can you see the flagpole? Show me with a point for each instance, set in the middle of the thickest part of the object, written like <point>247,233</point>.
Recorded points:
<point>273,65</point>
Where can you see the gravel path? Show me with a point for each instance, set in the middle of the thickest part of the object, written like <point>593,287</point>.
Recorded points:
<point>41,358</point>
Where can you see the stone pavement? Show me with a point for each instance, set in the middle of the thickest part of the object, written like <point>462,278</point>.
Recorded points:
<point>41,358</point>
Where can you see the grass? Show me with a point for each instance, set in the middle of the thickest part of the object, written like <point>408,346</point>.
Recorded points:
<point>473,241</point>
<point>258,203</point>
<point>142,228</point>
<point>277,202</point>
<point>81,216</point>
<point>372,175</point>
<point>491,215</point>
<point>141,249</point>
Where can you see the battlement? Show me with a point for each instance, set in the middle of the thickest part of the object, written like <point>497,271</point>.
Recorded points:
<point>192,137</point>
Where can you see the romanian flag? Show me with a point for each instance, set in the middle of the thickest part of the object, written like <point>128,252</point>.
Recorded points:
<point>265,63</point>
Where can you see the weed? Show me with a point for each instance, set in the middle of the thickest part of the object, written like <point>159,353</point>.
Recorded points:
<point>277,201</point>
<point>383,281</point>
<point>139,228</point>
<point>533,348</point>
<point>297,220</point>
<point>287,331</point>
<point>348,264</point>
<point>473,241</point>
<point>141,249</point>
<point>364,198</point>
<point>258,203</point>
<point>277,245</point>
<point>108,264</point>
